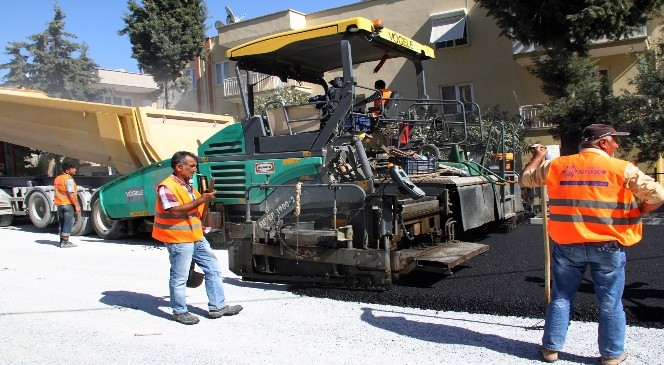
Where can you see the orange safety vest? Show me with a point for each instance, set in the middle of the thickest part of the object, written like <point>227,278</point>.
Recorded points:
<point>588,201</point>
<point>385,94</point>
<point>61,196</point>
<point>177,228</point>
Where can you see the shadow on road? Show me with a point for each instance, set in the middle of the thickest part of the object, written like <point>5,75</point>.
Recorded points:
<point>636,296</point>
<point>445,334</point>
<point>139,301</point>
<point>49,242</point>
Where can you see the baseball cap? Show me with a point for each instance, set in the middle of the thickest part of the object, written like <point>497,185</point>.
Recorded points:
<point>596,131</point>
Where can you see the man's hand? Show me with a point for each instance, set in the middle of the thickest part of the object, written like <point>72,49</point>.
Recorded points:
<point>647,208</point>
<point>538,150</point>
<point>208,196</point>
<point>73,198</point>
<point>539,155</point>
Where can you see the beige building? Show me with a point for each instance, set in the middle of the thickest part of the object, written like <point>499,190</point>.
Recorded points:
<point>473,63</point>
<point>129,89</point>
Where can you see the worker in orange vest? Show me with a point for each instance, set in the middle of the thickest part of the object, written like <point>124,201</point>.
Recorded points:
<point>177,223</point>
<point>379,99</point>
<point>66,202</point>
<point>593,217</point>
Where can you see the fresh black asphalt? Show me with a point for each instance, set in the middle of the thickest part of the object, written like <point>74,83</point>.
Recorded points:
<point>509,280</point>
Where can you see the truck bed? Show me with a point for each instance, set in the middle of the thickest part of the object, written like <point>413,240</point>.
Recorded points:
<point>126,138</point>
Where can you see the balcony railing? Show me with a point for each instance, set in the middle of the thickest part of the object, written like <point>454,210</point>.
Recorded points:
<point>264,83</point>
<point>519,48</point>
<point>531,113</point>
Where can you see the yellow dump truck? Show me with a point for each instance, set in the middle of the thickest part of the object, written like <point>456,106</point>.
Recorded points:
<point>125,138</point>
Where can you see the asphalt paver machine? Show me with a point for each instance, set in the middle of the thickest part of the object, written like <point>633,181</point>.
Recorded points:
<point>305,197</point>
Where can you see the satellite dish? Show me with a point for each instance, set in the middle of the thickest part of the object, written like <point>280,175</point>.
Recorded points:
<point>231,18</point>
<point>218,24</point>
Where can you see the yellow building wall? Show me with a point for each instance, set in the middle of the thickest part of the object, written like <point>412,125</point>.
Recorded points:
<point>487,62</point>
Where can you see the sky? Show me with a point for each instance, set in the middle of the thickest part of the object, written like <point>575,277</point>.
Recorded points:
<point>96,22</point>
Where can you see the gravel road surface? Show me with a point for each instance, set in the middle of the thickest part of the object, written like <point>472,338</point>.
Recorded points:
<point>107,303</point>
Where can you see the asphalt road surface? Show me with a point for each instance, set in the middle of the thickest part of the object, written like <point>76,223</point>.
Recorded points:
<point>106,302</point>
<point>509,280</point>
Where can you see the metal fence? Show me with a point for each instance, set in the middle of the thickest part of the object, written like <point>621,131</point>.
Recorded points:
<point>531,113</point>
<point>264,83</point>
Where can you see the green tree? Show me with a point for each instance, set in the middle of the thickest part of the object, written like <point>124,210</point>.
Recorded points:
<point>569,25</point>
<point>287,95</point>
<point>642,112</point>
<point>52,62</point>
<point>579,96</point>
<point>564,29</point>
<point>165,36</point>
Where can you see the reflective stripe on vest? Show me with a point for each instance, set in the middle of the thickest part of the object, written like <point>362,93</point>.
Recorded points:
<point>589,203</point>
<point>177,228</point>
<point>61,196</point>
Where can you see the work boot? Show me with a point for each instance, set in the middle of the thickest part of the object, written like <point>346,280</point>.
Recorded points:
<point>549,355</point>
<point>610,361</point>
<point>229,310</point>
<point>186,318</point>
<point>66,244</point>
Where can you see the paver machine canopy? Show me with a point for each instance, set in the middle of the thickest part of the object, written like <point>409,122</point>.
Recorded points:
<point>306,55</point>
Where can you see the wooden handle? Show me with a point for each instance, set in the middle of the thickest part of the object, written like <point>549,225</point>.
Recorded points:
<point>206,204</point>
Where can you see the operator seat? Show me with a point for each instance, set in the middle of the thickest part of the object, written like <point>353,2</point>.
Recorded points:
<point>392,105</point>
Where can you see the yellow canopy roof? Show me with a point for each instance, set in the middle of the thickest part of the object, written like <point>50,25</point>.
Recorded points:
<point>310,52</point>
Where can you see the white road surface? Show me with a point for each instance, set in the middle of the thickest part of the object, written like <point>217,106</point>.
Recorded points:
<point>107,303</point>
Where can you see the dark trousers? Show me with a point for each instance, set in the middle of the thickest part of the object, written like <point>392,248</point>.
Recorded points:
<point>65,219</point>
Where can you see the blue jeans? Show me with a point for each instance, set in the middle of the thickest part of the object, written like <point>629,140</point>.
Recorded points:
<point>180,255</point>
<point>65,219</point>
<point>607,266</point>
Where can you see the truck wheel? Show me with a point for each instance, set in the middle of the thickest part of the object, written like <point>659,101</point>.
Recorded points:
<point>39,210</point>
<point>107,228</point>
<point>82,225</point>
<point>6,220</point>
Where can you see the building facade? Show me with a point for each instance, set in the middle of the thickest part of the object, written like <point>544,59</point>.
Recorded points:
<point>128,89</point>
<point>473,63</point>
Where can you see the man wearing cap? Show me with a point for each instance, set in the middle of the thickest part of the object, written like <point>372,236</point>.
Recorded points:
<point>593,216</point>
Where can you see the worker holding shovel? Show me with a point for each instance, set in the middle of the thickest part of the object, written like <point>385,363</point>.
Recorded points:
<point>593,217</point>
<point>179,209</point>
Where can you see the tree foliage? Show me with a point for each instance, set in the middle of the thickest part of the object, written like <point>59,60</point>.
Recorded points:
<point>642,112</point>
<point>165,36</point>
<point>287,95</point>
<point>580,96</point>
<point>564,29</point>
<point>52,62</point>
<point>569,25</point>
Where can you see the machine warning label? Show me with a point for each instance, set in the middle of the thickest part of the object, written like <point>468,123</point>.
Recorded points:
<point>291,161</point>
<point>264,167</point>
<point>274,214</point>
<point>134,194</point>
